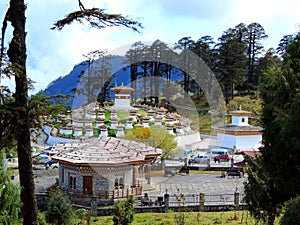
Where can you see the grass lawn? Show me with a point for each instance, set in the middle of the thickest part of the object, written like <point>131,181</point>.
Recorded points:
<point>122,114</point>
<point>141,111</point>
<point>190,218</point>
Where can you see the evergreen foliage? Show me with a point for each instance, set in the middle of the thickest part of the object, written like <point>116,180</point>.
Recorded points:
<point>232,59</point>
<point>123,213</point>
<point>291,215</point>
<point>59,209</point>
<point>94,83</point>
<point>81,214</point>
<point>16,52</point>
<point>9,198</point>
<point>274,180</point>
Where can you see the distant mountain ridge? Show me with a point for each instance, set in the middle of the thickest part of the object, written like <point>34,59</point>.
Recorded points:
<point>65,84</point>
<point>120,74</point>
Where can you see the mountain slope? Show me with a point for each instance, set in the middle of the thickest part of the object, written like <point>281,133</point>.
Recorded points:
<point>120,73</point>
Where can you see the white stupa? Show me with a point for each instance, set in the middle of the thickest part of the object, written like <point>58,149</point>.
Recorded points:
<point>239,134</point>
<point>122,97</point>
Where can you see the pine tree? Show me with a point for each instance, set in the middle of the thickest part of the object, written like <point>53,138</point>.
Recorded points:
<point>17,57</point>
<point>59,209</point>
<point>255,34</point>
<point>123,212</point>
<point>95,80</point>
<point>274,180</point>
<point>231,62</point>
<point>185,44</point>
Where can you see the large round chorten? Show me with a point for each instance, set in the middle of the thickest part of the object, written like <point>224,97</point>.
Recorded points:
<point>122,97</point>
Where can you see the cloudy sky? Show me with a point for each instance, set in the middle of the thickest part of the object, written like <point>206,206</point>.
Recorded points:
<point>52,54</point>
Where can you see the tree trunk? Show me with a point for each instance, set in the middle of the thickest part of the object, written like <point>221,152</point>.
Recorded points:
<point>17,56</point>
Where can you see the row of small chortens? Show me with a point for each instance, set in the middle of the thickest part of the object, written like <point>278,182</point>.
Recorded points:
<point>92,117</point>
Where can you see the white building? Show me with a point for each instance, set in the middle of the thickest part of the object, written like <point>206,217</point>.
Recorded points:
<point>239,134</point>
<point>122,97</point>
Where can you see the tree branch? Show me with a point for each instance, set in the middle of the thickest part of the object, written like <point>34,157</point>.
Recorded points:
<point>97,18</point>
<point>4,25</point>
<point>81,6</point>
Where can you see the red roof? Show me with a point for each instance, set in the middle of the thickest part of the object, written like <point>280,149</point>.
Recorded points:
<point>250,153</point>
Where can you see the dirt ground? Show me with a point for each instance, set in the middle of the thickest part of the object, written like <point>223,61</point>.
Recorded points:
<point>44,178</point>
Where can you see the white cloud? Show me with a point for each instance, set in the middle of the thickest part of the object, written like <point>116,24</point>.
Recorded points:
<point>52,53</point>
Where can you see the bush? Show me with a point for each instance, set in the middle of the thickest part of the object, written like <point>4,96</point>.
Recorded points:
<point>9,199</point>
<point>123,212</point>
<point>59,209</point>
<point>81,214</point>
<point>42,219</point>
<point>291,215</point>
<point>112,133</point>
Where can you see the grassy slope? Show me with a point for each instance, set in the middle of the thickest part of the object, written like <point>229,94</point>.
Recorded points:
<point>191,218</point>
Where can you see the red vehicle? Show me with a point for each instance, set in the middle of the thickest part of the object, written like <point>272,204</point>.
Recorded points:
<point>223,157</point>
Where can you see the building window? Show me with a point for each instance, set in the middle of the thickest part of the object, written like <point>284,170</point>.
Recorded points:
<point>243,120</point>
<point>62,175</point>
<point>72,181</point>
<point>121,182</point>
<point>116,183</point>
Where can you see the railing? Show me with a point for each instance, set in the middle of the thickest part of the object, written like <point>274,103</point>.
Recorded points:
<point>105,194</point>
<point>201,199</point>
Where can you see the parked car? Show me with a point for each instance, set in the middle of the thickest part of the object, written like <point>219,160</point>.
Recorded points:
<point>51,164</point>
<point>212,153</point>
<point>200,159</point>
<point>222,157</point>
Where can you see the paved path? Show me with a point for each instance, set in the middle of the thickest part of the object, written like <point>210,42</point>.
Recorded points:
<point>216,190</point>
<point>196,183</point>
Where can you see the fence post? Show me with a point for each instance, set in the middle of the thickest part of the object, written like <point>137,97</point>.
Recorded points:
<point>94,207</point>
<point>237,199</point>
<point>201,201</point>
<point>167,201</point>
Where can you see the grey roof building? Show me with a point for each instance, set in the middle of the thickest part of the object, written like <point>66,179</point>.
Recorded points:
<point>105,167</point>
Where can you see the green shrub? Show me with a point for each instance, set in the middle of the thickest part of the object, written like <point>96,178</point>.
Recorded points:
<point>112,133</point>
<point>9,199</point>
<point>123,212</point>
<point>81,214</point>
<point>291,215</point>
<point>42,219</point>
<point>59,209</point>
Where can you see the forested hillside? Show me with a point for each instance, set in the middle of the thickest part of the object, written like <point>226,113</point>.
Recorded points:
<point>237,59</point>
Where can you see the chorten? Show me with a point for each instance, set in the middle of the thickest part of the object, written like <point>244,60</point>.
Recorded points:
<point>122,97</point>
<point>239,134</point>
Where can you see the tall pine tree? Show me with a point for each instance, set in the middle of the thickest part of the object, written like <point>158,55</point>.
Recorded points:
<point>276,177</point>
<point>17,56</point>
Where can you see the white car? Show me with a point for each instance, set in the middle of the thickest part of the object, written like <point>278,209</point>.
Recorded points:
<point>200,159</point>
<point>51,164</point>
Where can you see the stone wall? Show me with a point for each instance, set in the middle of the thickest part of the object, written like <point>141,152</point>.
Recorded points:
<point>103,178</point>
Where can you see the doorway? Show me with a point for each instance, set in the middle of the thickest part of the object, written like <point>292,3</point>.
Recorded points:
<point>88,185</point>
